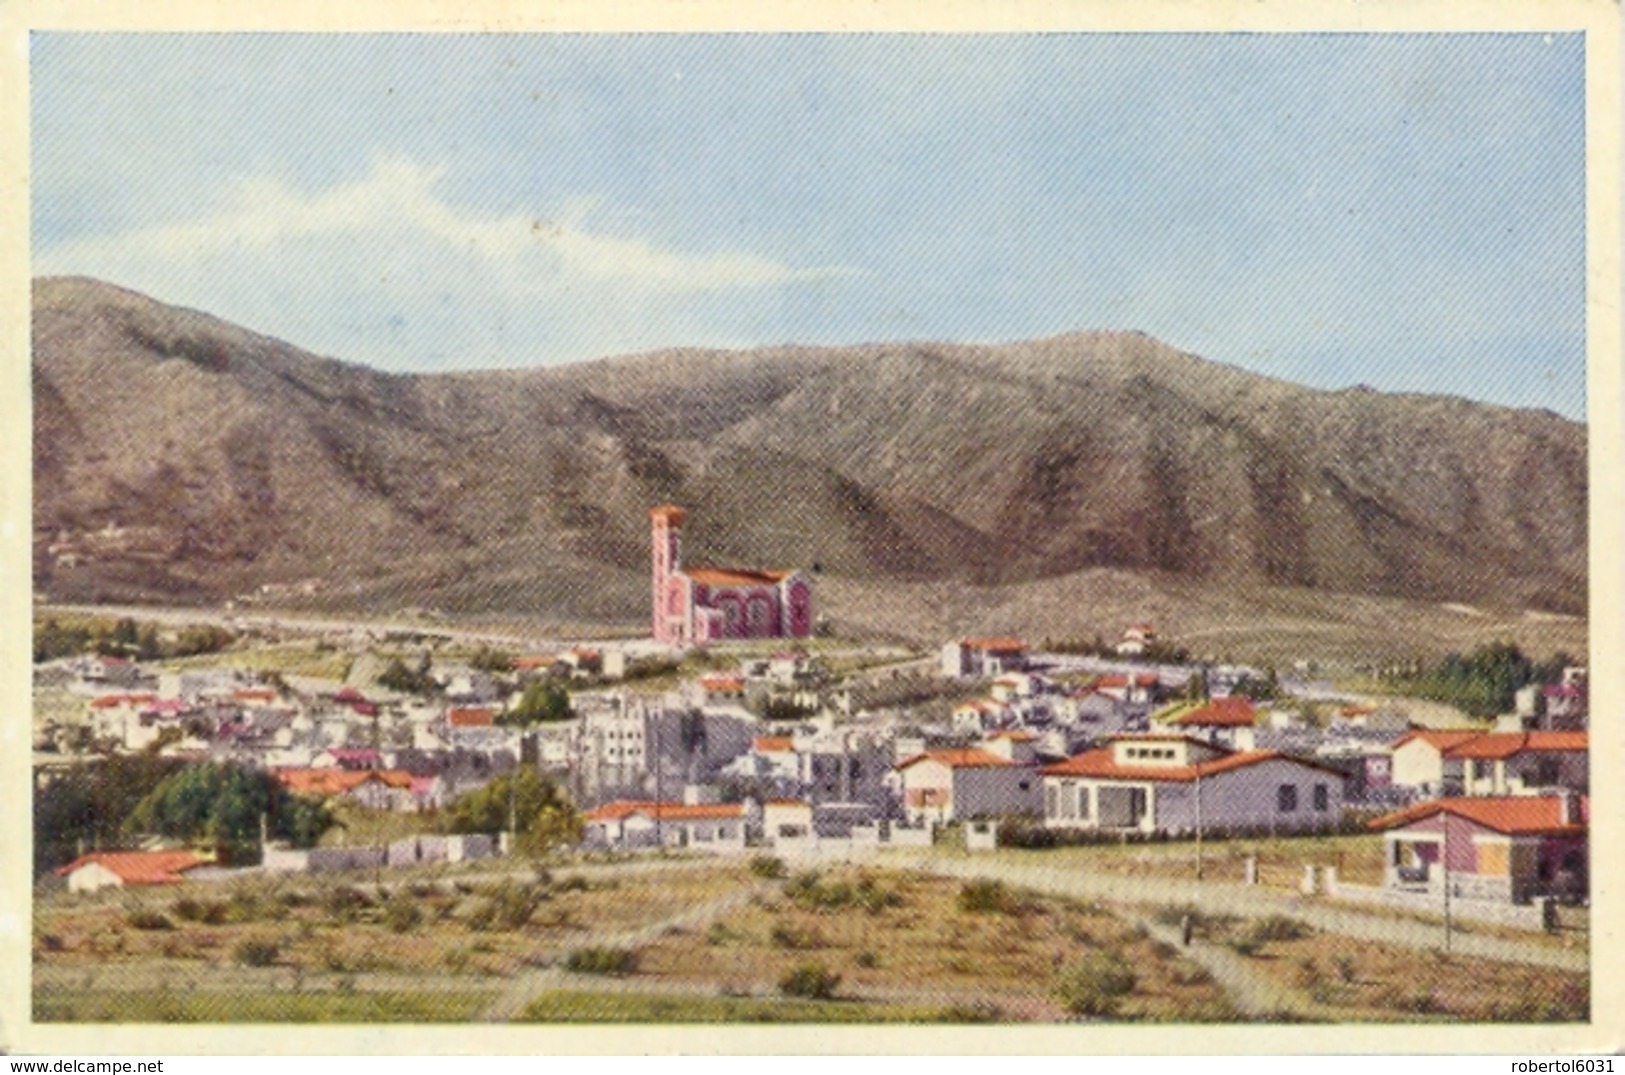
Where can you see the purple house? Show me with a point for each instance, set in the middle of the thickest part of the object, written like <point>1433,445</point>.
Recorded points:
<point>1508,849</point>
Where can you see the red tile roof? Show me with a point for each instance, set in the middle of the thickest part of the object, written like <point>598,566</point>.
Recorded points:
<point>1506,744</point>
<point>772,744</point>
<point>256,694</point>
<point>1221,713</point>
<point>1439,740</point>
<point>1514,815</point>
<point>621,808</point>
<point>1142,679</point>
<point>995,645</point>
<point>470,718</point>
<point>139,867</point>
<point>735,576</point>
<point>1015,735</point>
<point>325,782</point>
<point>731,684</point>
<point>1100,763</point>
<point>969,758</point>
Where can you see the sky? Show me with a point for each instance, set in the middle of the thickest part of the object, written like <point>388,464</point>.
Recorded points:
<point>1400,211</point>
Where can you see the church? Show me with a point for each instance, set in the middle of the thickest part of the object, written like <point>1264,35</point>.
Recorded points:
<point>696,605</point>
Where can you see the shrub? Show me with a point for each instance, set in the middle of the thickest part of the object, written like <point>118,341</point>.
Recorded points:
<point>980,1011</point>
<point>1345,968</point>
<point>867,960</point>
<point>617,961</point>
<point>344,902</point>
<point>401,914</point>
<point>719,933</point>
<point>574,883</point>
<point>148,920</point>
<point>1421,1002</point>
<point>256,952</point>
<point>770,867</point>
<point>1094,985</point>
<point>1279,928</point>
<point>813,981</point>
<point>209,913</point>
<point>984,896</point>
<point>506,906</point>
<point>787,936</point>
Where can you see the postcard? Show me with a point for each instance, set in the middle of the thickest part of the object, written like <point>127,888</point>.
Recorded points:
<point>891,529</point>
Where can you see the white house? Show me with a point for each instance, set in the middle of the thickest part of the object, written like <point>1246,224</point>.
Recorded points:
<point>983,657</point>
<point>115,869</point>
<point>629,825</point>
<point>943,785</point>
<point>1178,784</point>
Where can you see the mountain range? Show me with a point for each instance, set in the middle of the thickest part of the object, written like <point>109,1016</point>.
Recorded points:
<point>183,459</point>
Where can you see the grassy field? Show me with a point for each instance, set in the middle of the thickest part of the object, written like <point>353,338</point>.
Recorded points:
<point>902,935</point>
<point>571,1006</point>
<point>118,1006</point>
<point>286,658</point>
<point>1365,981</point>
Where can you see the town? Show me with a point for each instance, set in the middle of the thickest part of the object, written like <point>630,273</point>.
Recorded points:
<point>736,802</point>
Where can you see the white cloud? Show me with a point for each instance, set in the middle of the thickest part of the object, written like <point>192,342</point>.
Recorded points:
<point>385,270</point>
<point>396,204</point>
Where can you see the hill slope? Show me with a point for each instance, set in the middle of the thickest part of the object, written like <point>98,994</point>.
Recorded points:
<point>181,458</point>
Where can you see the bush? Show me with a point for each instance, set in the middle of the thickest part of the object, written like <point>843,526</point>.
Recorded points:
<point>787,936</point>
<point>575,883</point>
<point>345,902</point>
<point>1279,928</point>
<point>770,867</point>
<point>148,920</point>
<point>980,1011</point>
<point>617,961</point>
<point>1345,968</point>
<point>867,960</point>
<point>506,906</point>
<point>812,981</point>
<point>984,896</point>
<point>401,914</point>
<point>209,913</point>
<point>256,952</point>
<point>1094,985</point>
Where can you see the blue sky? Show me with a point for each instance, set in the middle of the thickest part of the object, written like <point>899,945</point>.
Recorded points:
<point>1400,211</point>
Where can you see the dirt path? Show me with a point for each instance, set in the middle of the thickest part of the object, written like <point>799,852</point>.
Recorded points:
<point>1248,901</point>
<point>1253,994</point>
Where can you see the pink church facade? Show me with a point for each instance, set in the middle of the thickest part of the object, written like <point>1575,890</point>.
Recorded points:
<point>706,604</point>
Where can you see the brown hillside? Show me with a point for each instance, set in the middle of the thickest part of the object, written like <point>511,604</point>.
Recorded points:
<point>181,458</point>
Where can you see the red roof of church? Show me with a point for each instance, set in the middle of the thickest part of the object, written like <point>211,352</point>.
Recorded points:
<point>735,576</point>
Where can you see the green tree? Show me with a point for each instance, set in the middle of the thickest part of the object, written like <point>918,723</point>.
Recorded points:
<point>542,703</point>
<point>541,814</point>
<point>488,659</point>
<point>221,805</point>
<point>85,807</point>
<point>398,677</point>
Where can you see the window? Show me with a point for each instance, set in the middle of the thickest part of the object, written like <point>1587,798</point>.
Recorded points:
<point>1286,798</point>
<point>1051,799</point>
<point>1069,799</point>
<point>1482,769</point>
<point>1323,798</point>
<point>1083,802</point>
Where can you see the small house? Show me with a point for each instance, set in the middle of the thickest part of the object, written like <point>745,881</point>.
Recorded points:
<point>115,869</point>
<point>945,785</point>
<point>1508,849</point>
